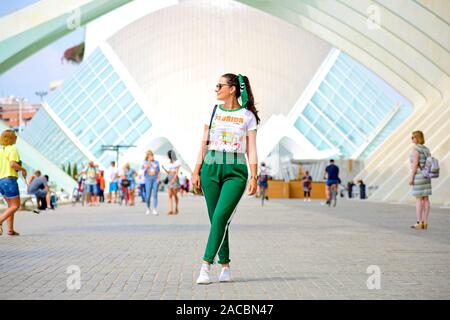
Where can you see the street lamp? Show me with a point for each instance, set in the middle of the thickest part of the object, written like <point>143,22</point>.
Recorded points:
<point>20,101</point>
<point>41,94</point>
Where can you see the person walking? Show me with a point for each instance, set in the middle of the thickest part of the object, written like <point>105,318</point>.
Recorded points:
<point>101,186</point>
<point>263,178</point>
<point>307,183</point>
<point>91,183</point>
<point>112,175</point>
<point>221,171</point>
<point>331,175</point>
<point>174,182</point>
<point>10,165</point>
<point>141,182</point>
<point>421,185</point>
<point>130,175</point>
<point>152,174</point>
<point>182,180</point>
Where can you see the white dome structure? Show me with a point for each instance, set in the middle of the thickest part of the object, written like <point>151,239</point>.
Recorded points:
<point>147,82</point>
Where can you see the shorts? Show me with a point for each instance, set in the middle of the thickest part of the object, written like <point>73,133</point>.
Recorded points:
<point>40,193</point>
<point>92,188</point>
<point>9,188</point>
<point>113,186</point>
<point>331,182</point>
<point>263,184</point>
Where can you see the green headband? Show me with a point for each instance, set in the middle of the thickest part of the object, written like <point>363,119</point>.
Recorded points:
<point>243,90</point>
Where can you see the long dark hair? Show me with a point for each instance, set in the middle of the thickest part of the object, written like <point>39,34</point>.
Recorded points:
<point>172,156</point>
<point>233,80</point>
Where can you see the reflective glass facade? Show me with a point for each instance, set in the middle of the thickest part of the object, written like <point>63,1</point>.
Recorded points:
<point>351,110</point>
<point>97,107</point>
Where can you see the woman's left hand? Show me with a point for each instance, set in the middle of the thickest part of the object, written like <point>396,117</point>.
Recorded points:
<point>252,187</point>
<point>411,181</point>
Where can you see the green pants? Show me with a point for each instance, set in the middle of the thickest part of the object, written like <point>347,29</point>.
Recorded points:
<point>223,178</point>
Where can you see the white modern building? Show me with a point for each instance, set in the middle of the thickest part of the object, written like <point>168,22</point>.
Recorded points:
<point>344,79</point>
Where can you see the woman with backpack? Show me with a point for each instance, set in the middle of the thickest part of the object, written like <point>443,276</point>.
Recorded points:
<point>421,185</point>
<point>221,171</point>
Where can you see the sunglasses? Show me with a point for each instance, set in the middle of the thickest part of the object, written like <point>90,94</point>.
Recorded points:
<point>220,85</point>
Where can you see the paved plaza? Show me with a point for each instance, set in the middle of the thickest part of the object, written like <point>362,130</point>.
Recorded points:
<point>286,250</point>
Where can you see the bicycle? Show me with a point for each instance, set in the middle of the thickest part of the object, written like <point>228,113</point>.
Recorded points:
<point>333,196</point>
<point>263,195</point>
<point>79,193</point>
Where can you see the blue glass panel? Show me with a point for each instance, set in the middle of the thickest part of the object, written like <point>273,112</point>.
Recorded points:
<point>123,125</point>
<point>323,146</point>
<point>111,136</point>
<point>310,113</point>
<point>65,113</point>
<point>144,125</point>
<point>313,138</point>
<point>105,73</point>
<point>132,137</point>
<point>92,115</point>
<point>79,99</point>
<point>79,128</point>
<point>105,102</point>
<point>85,139</point>
<point>111,80</point>
<point>326,89</point>
<point>99,93</point>
<point>135,113</point>
<point>302,125</point>
<point>86,106</point>
<point>113,113</point>
<point>118,89</point>
<point>101,65</point>
<point>71,120</point>
<point>100,126</point>
<point>125,100</point>
<point>97,149</point>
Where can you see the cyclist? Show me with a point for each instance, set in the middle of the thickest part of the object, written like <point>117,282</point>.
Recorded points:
<point>331,174</point>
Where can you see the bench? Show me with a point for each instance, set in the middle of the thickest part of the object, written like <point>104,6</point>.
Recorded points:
<point>24,200</point>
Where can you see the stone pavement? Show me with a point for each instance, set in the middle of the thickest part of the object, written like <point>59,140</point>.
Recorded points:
<point>286,250</point>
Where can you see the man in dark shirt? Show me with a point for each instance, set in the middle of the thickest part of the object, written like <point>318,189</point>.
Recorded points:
<point>332,176</point>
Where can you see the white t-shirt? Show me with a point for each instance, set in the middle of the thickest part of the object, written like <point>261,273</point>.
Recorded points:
<point>111,174</point>
<point>173,166</point>
<point>229,129</point>
<point>141,177</point>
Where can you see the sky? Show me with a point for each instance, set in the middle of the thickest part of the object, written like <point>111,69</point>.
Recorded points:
<point>45,66</point>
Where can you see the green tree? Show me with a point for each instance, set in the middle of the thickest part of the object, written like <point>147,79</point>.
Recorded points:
<point>63,167</point>
<point>69,170</point>
<point>75,171</point>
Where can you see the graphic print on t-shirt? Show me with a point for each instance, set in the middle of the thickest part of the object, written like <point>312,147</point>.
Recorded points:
<point>229,132</point>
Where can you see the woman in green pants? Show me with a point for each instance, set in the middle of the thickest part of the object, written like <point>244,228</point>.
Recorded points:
<point>221,170</point>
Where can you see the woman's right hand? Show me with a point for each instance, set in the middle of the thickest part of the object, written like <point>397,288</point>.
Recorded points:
<point>24,173</point>
<point>196,181</point>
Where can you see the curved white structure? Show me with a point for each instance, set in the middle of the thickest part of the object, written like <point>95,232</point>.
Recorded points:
<point>149,80</point>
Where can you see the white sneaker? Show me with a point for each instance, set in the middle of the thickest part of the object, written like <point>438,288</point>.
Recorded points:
<point>309,200</point>
<point>148,212</point>
<point>304,200</point>
<point>203,278</point>
<point>155,212</point>
<point>225,275</point>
